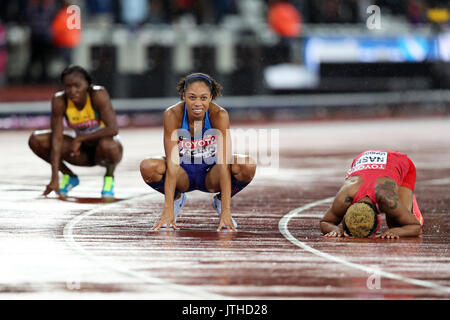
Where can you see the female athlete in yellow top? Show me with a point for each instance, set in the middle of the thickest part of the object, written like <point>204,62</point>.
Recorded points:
<point>94,141</point>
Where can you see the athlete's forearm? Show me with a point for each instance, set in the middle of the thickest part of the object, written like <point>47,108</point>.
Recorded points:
<point>327,227</point>
<point>102,133</point>
<point>169,187</point>
<point>55,166</point>
<point>55,155</point>
<point>406,231</point>
<point>57,138</point>
<point>333,217</point>
<point>225,187</point>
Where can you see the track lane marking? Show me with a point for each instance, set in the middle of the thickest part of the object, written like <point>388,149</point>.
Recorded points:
<point>283,228</point>
<point>70,240</point>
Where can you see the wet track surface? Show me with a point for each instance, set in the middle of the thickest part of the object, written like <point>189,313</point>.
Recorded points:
<point>84,248</point>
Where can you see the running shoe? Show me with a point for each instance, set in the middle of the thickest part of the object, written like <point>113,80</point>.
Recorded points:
<point>108,187</point>
<point>177,205</point>
<point>217,205</point>
<point>67,183</point>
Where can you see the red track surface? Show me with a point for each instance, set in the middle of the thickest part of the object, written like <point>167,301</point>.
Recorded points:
<point>83,248</point>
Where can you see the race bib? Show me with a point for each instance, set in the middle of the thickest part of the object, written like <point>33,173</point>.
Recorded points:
<point>202,149</point>
<point>370,160</point>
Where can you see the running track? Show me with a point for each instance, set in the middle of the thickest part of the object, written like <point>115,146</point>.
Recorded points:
<point>84,249</point>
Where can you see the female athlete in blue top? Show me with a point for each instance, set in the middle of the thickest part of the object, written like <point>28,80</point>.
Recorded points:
<point>198,155</point>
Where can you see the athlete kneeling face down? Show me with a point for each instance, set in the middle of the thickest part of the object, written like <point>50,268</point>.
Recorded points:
<point>378,181</point>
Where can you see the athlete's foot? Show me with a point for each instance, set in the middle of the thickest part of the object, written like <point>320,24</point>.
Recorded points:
<point>178,204</point>
<point>67,183</point>
<point>108,187</point>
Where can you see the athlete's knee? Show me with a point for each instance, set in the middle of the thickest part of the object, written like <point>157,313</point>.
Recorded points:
<point>245,169</point>
<point>32,142</point>
<point>106,146</point>
<point>152,169</point>
<point>36,142</point>
<point>110,150</point>
<point>248,172</point>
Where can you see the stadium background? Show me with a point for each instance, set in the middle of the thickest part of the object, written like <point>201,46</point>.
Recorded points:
<point>312,59</point>
<point>338,83</point>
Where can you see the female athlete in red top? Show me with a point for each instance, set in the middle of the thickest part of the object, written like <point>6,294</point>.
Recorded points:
<point>379,181</point>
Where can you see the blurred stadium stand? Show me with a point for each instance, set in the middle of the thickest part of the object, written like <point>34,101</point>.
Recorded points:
<point>139,49</point>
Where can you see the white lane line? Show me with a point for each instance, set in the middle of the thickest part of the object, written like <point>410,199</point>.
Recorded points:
<point>283,227</point>
<point>439,181</point>
<point>197,293</point>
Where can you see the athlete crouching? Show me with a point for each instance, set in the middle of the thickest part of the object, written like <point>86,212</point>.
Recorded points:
<point>93,139</point>
<point>197,146</point>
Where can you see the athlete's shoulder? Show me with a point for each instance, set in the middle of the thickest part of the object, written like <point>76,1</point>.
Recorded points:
<point>218,116</point>
<point>59,95</point>
<point>59,101</point>
<point>214,107</point>
<point>100,97</point>
<point>96,87</point>
<point>174,113</point>
<point>216,111</point>
<point>351,186</point>
<point>58,104</point>
<point>175,109</point>
<point>98,91</point>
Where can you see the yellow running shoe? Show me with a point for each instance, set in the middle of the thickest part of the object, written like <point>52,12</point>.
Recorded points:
<point>108,187</point>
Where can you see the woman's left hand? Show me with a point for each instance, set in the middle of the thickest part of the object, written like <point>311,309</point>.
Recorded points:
<point>226,221</point>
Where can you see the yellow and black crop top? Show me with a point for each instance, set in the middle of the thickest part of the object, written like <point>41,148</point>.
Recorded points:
<point>85,120</point>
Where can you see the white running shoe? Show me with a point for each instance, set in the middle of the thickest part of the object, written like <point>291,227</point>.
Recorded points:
<point>177,205</point>
<point>217,205</point>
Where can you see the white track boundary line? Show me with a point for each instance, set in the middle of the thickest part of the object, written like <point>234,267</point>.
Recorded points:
<point>283,227</point>
<point>70,240</point>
